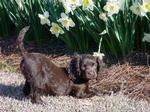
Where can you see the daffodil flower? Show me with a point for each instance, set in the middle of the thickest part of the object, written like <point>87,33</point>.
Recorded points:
<point>119,3</point>
<point>56,29</point>
<point>112,8</point>
<point>137,9</point>
<point>88,4</point>
<point>146,5</point>
<point>146,37</point>
<point>70,5</point>
<point>66,21</point>
<point>67,8</point>
<point>100,55</point>
<point>74,2</point>
<point>44,18</point>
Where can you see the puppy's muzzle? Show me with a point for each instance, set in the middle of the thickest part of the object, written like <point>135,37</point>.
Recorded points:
<point>91,74</point>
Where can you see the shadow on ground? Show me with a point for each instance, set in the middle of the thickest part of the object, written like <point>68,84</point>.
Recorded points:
<point>11,91</point>
<point>51,46</point>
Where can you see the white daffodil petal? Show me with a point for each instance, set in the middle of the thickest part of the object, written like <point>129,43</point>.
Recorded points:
<point>73,2</point>
<point>70,5</point>
<point>48,22</point>
<point>88,4</point>
<point>40,16</point>
<point>68,9</point>
<point>146,37</point>
<point>100,55</point>
<point>67,28</point>
<point>44,18</point>
<point>46,14</point>
<point>57,34</point>
<point>62,32</point>
<point>72,24</point>
<point>146,6</point>
<point>137,9</point>
<point>63,15</point>
<point>53,23</point>
<point>42,21</point>
<point>45,21</point>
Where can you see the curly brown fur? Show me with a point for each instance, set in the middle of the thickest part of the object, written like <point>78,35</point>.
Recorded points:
<point>44,77</point>
<point>84,68</point>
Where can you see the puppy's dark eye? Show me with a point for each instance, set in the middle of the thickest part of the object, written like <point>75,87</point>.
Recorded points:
<point>84,65</point>
<point>93,64</point>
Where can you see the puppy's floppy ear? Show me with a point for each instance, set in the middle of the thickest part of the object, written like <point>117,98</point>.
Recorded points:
<point>101,68</point>
<point>100,65</point>
<point>74,68</point>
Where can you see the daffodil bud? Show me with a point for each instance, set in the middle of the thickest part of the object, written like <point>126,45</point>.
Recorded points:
<point>103,16</point>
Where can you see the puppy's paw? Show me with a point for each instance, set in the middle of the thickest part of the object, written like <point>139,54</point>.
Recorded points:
<point>90,94</point>
<point>38,101</point>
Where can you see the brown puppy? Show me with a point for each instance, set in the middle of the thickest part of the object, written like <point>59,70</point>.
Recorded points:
<point>44,77</point>
<point>84,68</point>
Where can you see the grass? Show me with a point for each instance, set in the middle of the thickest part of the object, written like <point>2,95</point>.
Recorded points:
<point>7,67</point>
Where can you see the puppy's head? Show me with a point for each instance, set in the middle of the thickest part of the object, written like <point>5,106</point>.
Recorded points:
<point>85,67</point>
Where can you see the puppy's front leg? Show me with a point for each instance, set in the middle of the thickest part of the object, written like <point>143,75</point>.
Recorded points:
<point>82,91</point>
<point>26,88</point>
<point>35,98</point>
<point>35,95</point>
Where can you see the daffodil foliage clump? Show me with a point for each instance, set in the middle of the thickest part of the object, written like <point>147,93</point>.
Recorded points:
<point>120,23</point>
<point>5,22</point>
<point>81,24</point>
<point>23,13</point>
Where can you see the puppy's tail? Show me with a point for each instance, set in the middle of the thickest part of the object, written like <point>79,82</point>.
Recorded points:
<point>21,38</point>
